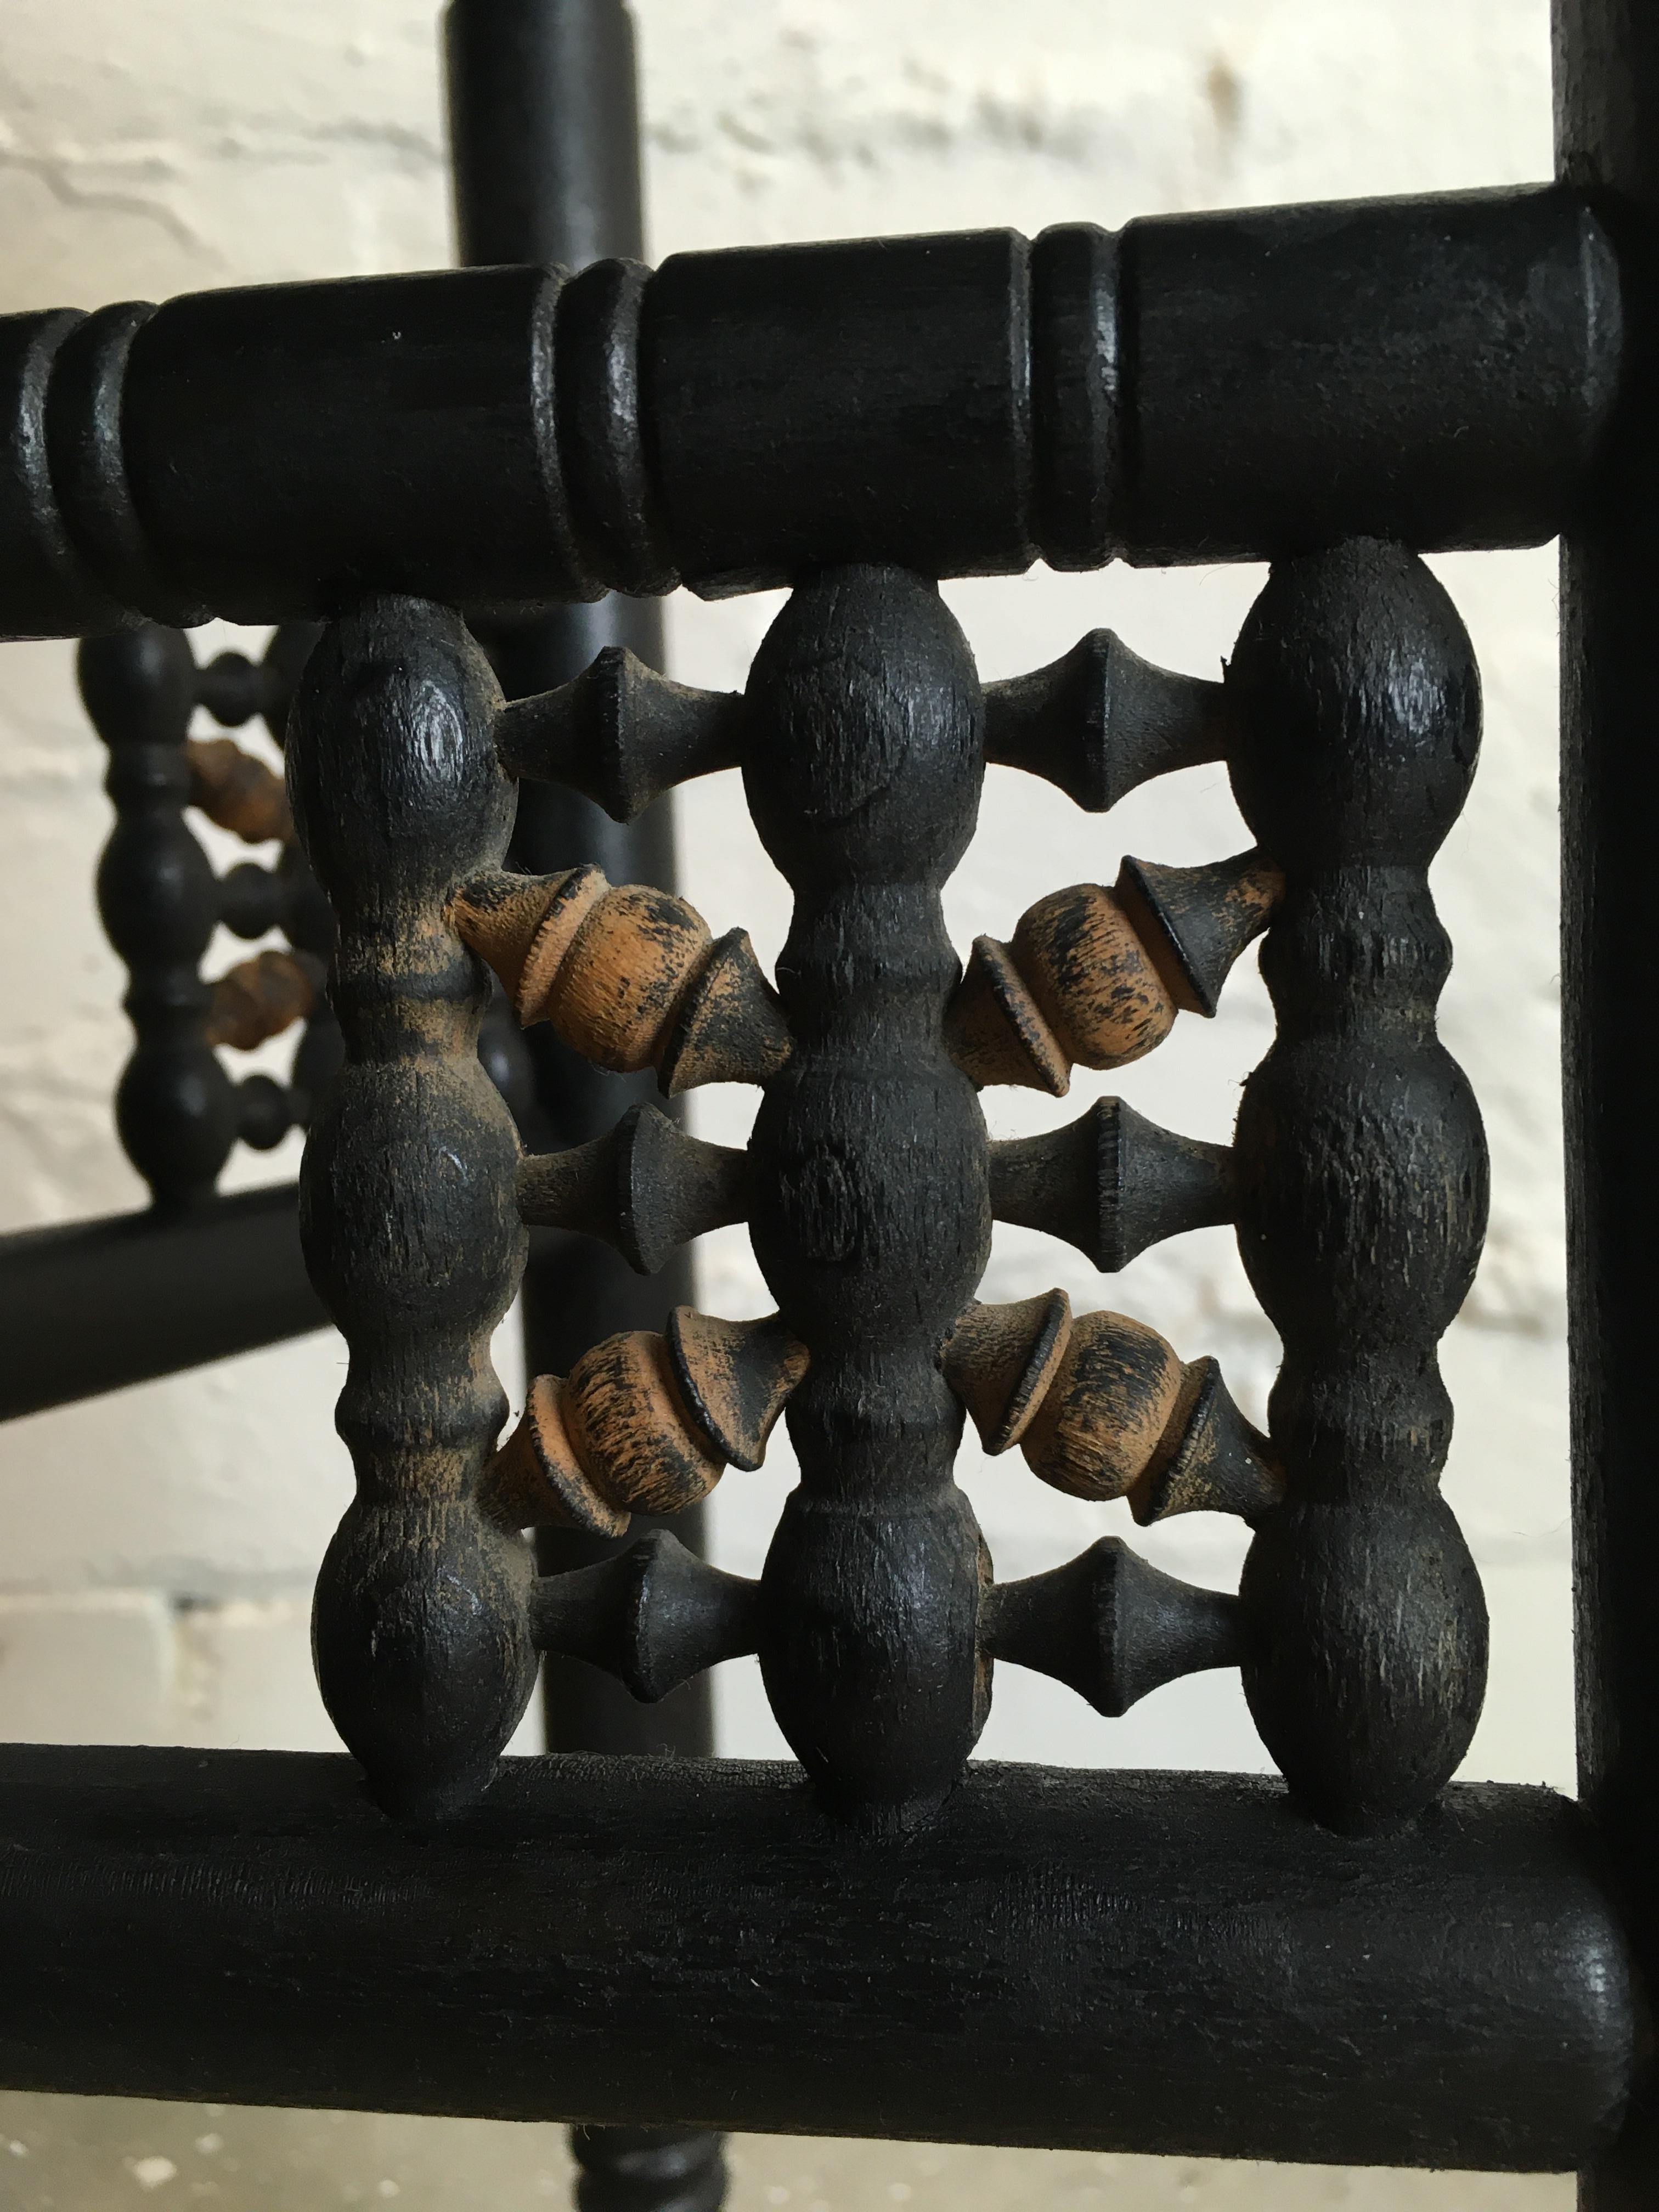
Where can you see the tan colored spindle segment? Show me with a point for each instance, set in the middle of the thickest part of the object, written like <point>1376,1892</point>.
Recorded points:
<point>1102,1407</point>
<point>237,791</point>
<point>1095,978</point>
<point>628,976</point>
<point>258,998</point>
<point>644,1424</point>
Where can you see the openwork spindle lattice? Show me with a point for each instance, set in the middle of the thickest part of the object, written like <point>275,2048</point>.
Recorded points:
<point>870,1187</point>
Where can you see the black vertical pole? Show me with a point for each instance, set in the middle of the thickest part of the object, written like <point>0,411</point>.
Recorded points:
<point>1607,63</point>
<point>543,116</point>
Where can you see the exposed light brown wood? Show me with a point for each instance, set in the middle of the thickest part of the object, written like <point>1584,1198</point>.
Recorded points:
<point>1102,1407</point>
<point>1095,978</point>
<point>258,998</point>
<point>644,1424</point>
<point>237,791</point>
<point>628,976</point>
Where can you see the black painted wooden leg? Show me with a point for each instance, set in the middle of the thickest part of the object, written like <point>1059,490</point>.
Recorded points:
<point>1607,113</point>
<point>546,116</point>
<point>648,2170</point>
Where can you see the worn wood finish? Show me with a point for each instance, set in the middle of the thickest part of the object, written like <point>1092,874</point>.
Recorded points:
<point>1102,1407</point>
<point>644,1424</point>
<point>628,976</point>
<point>1607,56</point>
<point>1095,978</point>
<point>500,437</point>
<point>1169,1963</point>
<point>1111,1183</point>
<point>177,1111</point>
<point>408,1212</point>
<point>1360,1177</point>
<point>869,1211</point>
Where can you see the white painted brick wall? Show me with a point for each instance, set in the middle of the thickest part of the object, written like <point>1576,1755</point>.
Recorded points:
<point>157,1546</point>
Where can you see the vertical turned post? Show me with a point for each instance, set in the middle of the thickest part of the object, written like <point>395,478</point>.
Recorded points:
<point>1606,57</point>
<point>176,1108</point>
<point>871,1212</point>
<point>544,148</point>
<point>1361,1180</point>
<point>407,1205</point>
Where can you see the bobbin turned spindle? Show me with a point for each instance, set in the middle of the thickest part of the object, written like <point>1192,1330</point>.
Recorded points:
<point>646,1187</point>
<point>408,1208</point>
<point>1102,1407</point>
<point>630,977</point>
<point>644,1424</point>
<point>1111,1183</point>
<point>1360,1171</point>
<point>1095,978</point>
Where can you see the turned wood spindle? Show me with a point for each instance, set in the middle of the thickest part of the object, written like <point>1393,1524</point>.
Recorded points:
<point>1095,978</point>
<point>630,977</point>
<point>1360,1169</point>
<point>1112,1626</point>
<point>644,1422</point>
<point>1101,721</point>
<point>408,1208</point>
<point>1111,1183</point>
<point>646,1187</point>
<point>1102,1407</point>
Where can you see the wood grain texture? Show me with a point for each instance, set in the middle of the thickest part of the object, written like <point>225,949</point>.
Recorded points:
<point>1360,1177</point>
<point>407,1201</point>
<point>1095,978</point>
<point>628,975</point>
<point>869,1209</point>
<point>1163,1963</point>
<point>644,1422</point>
<point>1102,1407</point>
<point>505,437</point>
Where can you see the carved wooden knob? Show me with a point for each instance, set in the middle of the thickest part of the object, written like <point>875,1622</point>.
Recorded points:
<point>1102,1407</point>
<point>644,1424</point>
<point>1102,720</point>
<point>1095,978</point>
<point>630,977</point>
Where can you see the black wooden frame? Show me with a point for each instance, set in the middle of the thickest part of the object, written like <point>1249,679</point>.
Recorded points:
<point>1494,357</point>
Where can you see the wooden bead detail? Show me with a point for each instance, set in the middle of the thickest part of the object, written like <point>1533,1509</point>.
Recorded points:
<point>1360,1170</point>
<point>620,734</point>
<point>644,1423</point>
<point>1101,720</point>
<point>411,1233</point>
<point>647,1188</point>
<point>1102,1407</point>
<point>1111,1183</point>
<point>260,998</point>
<point>654,1616</point>
<point>1111,1626</point>
<point>1095,978</point>
<point>237,791</point>
<point>629,977</point>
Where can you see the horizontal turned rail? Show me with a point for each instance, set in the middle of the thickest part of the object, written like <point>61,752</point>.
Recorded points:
<point>1439,372</point>
<point>151,1294</point>
<point>1142,1962</point>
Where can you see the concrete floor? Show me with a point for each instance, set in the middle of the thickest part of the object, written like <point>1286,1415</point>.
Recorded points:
<point>97,2155</point>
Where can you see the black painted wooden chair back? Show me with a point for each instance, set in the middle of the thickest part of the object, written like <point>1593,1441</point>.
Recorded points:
<point>1367,1963</point>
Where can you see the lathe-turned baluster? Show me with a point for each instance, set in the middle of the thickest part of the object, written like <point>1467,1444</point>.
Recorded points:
<point>408,1211</point>
<point>1360,1175</point>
